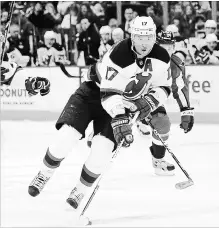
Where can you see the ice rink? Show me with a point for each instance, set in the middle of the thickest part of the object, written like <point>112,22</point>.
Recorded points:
<point>130,193</point>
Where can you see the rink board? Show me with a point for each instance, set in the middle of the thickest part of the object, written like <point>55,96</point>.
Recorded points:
<point>17,105</point>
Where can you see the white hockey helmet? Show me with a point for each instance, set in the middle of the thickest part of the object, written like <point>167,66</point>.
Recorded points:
<point>105,30</point>
<point>143,26</point>
<point>210,24</point>
<point>143,35</point>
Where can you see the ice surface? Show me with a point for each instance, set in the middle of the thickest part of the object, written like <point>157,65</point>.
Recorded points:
<point>130,194</point>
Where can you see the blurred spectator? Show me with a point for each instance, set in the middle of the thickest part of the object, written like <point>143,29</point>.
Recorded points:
<point>203,8</point>
<point>51,52</point>
<point>63,6</point>
<point>17,42</point>
<point>135,14</point>
<point>175,31</point>
<point>100,18</point>
<point>36,17</point>
<point>187,23</point>
<point>199,26</point>
<point>157,20</point>
<point>178,11</point>
<point>4,18</point>
<point>26,28</point>
<point>176,15</point>
<point>117,35</point>
<point>180,44</point>
<point>89,42</point>
<point>113,23</point>
<point>126,27</point>
<point>44,20</point>
<point>85,12</point>
<point>71,18</point>
<point>210,27</point>
<point>207,54</point>
<point>106,41</point>
<point>51,17</point>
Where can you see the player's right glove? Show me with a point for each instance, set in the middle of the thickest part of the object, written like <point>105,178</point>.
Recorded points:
<point>36,85</point>
<point>187,119</point>
<point>122,130</point>
<point>145,105</point>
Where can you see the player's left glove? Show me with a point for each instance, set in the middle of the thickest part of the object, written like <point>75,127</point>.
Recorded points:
<point>187,119</point>
<point>36,85</point>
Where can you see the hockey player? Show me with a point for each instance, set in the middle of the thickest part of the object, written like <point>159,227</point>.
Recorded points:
<point>33,85</point>
<point>180,93</point>
<point>133,75</point>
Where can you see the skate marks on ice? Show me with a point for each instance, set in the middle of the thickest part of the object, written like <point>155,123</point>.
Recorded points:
<point>166,218</point>
<point>130,195</point>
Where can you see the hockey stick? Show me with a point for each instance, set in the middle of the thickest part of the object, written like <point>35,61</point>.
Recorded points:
<point>63,69</point>
<point>113,157</point>
<point>7,30</point>
<point>180,185</point>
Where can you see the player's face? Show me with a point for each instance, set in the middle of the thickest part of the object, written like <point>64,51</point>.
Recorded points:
<point>212,45</point>
<point>169,47</point>
<point>210,30</point>
<point>117,37</point>
<point>106,37</point>
<point>49,42</point>
<point>143,44</point>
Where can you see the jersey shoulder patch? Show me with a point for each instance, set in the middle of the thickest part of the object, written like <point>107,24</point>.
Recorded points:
<point>122,55</point>
<point>159,53</point>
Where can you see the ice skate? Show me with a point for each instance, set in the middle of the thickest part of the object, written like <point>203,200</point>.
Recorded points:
<point>39,182</point>
<point>75,198</point>
<point>162,167</point>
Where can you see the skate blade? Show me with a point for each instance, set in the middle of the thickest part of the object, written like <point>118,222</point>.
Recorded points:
<point>184,184</point>
<point>160,172</point>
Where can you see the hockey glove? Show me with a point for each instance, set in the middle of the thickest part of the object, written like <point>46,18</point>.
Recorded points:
<point>202,57</point>
<point>187,119</point>
<point>36,85</point>
<point>145,105</point>
<point>8,71</point>
<point>122,130</point>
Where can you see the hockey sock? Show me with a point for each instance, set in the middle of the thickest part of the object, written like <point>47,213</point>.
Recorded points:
<point>50,161</point>
<point>157,151</point>
<point>87,177</point>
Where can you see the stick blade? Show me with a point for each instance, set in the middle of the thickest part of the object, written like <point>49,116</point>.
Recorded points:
<point>184,184</point>
<point>83,221</point>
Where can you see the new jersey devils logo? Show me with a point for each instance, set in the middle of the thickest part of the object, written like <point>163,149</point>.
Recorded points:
<point>137,85</point>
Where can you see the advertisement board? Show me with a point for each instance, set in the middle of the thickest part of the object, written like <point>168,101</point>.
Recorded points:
<point>203,87</point>
<point>16,101</point>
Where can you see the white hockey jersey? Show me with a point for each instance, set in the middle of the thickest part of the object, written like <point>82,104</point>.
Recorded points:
<point>122,75</point>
